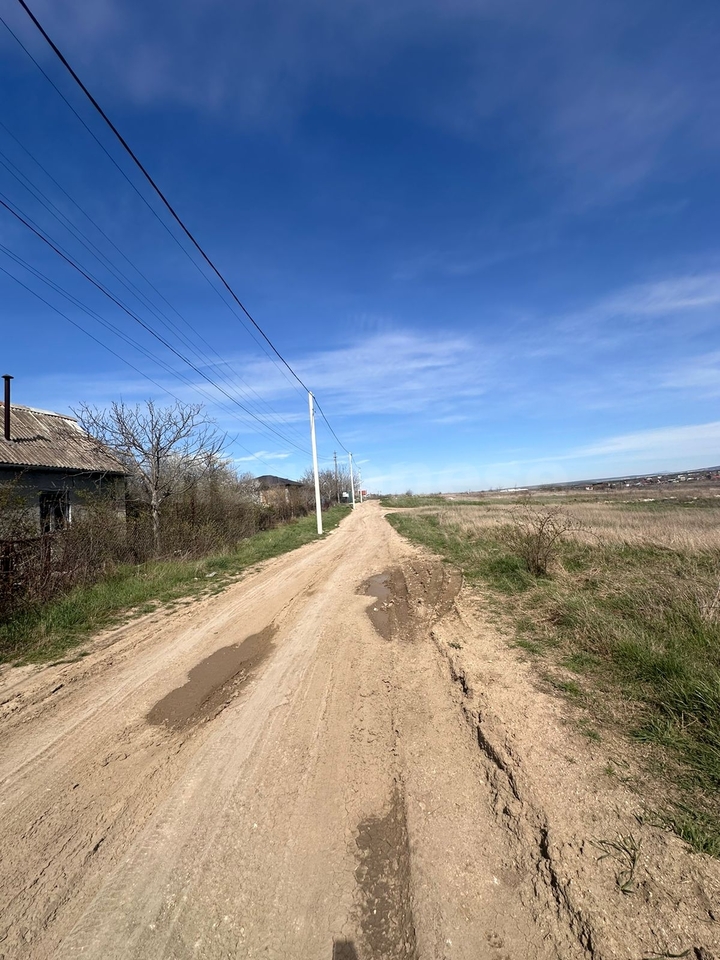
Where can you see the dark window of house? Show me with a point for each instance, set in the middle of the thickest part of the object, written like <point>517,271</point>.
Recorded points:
<point>54,510</point>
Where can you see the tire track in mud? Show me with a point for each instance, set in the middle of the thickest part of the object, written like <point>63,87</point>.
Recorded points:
<point>213,683</point>
<point>383,877</point>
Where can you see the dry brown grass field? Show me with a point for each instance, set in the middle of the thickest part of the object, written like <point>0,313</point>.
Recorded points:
<point>683,524</point>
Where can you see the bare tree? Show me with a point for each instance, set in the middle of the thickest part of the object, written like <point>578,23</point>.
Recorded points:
<point>331,487</point>
<point>166,450</point>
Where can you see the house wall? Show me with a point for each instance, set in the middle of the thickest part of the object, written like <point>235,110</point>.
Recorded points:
<point>28,485</point>
<point>292,498</point>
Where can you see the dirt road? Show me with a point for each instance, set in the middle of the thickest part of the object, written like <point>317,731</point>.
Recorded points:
<point>273,772</point>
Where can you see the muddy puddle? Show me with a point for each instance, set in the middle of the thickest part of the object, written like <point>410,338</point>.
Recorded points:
<point>390,613</point>
<point>383,877</point>
<point>423,591</point>
<point>213,683</point>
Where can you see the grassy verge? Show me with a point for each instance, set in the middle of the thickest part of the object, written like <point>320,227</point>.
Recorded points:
<point>47,631</point>
<point>631,632</point>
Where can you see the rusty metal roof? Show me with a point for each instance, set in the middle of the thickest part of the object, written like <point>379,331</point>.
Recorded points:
<point>39,438</point>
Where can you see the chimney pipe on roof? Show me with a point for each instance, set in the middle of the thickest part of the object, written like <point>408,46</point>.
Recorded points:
<point>7,378</point>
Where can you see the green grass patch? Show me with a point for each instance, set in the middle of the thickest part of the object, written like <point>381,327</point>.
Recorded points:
<point>569,687</point>
<point>46,631</point>
<point>532,646</point>
<point>696,828</point>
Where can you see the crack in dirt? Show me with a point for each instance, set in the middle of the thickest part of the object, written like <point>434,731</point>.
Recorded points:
<point>521,816</point>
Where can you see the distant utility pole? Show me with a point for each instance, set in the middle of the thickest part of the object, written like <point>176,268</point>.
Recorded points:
<point>318,503</point>
<point>352,480</point>
<point>337,485</point>
<point>360,482</point>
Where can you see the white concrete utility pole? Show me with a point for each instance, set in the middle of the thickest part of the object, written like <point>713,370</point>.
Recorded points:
<point>318,502</point>
<point>352,480</point>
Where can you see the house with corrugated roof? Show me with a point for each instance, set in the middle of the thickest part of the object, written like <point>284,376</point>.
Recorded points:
<point>53,464</point>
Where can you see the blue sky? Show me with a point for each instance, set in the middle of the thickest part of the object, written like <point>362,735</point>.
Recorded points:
<point>485,233</point>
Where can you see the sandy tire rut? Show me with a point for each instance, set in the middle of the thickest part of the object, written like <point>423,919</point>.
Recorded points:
<point>336,758</point>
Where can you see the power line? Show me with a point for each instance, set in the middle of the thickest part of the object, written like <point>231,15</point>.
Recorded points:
<point>165,201</point>
<point>134,266</point>
<point>129,285</point>
<point>140,195</point>
<point>68,259</point>
<point>156,188</point>
<point>111,327</point>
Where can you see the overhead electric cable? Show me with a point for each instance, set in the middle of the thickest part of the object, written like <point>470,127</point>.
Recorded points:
<point>87,332</point>
<point>117,332</point>
<point>331,430</point>
<point>38,233</point>
<point>156,188</point>
<point>134,266</point>
<point>165,201</point>
<point>141,196</point>
<point>129,285</point>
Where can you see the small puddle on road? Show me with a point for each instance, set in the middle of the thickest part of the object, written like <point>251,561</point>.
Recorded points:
<point>213,682</point>
<point>390,614</point>
<point>379,613</point>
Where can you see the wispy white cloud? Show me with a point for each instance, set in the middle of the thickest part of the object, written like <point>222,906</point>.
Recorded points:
<point>699,375</point>
<point>390,373</point>
<point>662,297</point>
<point>451,418</point>
<point>570,79</point>
<point>262,455</point>
<point>644,451</point>
<point>607,123</point>
<point>692,441</point>
<point>635,321</point>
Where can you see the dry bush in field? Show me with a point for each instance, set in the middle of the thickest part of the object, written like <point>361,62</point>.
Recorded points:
<point>535,535</point>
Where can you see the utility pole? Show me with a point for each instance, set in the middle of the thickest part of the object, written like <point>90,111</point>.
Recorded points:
<point>360,482</point>
<point>352,480</point>
<point>337,486</point>
<point>318,502</point>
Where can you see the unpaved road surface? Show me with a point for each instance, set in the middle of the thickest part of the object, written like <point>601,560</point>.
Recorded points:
<point>335,759</point>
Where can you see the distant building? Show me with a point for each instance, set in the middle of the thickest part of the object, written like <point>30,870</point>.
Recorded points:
<point>52,462</point>
<point>282,493</point>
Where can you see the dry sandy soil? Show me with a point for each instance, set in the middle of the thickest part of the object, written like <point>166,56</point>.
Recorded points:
<point>272,772</point>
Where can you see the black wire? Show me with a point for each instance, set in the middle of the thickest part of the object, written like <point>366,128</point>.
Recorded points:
<point>156,188</point>
<point>166,202</point>
<point>331,429</point>
<point>118,333</point>
<point>134,187</point>
<point>127,283</point>
<point>158,313</point>
<point>105,346</point>
<point>143,324</point>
